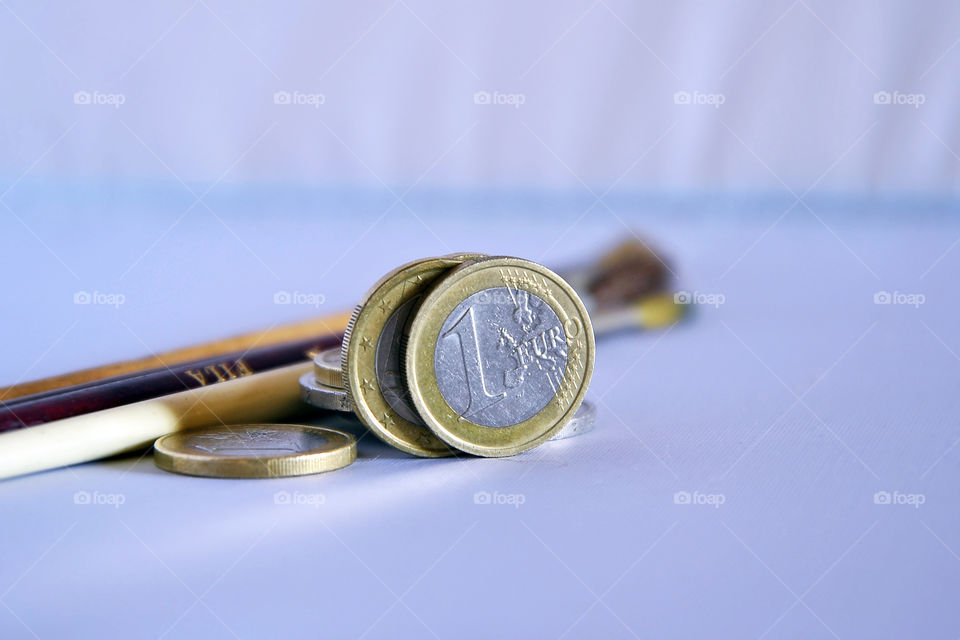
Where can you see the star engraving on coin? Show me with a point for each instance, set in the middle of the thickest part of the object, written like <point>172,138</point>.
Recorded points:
<point>424,439</point>
<point>412,284</point>
<point>380,321</point>
<point>366,385</point>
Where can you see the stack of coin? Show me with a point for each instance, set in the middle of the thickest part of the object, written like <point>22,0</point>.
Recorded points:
<point>490,356</point>
<point>323,387</point>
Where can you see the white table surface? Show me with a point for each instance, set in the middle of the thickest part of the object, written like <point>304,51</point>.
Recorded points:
<point>793,404</point>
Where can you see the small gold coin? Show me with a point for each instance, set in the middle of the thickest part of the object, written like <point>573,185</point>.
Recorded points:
<point>326,368</point>
<point>371,358</point>
<point>255,451</point>
<point>500,357</point>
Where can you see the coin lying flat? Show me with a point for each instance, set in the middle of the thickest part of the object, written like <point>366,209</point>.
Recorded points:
<point>371,356</point>
<point>326,368</point>
<point>584,420</point>
<point>503,359</point>
<point>255,451</point>
<point>321,395</point>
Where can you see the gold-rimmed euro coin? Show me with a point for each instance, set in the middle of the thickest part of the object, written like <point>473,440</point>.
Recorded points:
<point>500,357</point>
<point>255,451</point>
<point>326,368</point>
<point>371,361</point>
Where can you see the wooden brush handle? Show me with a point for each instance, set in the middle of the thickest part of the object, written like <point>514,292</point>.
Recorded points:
<point>308,330</point>
<point>261,397</point>
<point>133,387</point>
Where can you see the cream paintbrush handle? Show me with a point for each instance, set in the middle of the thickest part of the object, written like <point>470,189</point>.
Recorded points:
<point>256,398</point>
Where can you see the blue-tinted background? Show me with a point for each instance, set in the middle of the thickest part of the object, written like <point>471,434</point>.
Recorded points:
<point>181,163</point>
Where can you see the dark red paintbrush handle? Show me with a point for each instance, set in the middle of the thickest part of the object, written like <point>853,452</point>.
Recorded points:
<point>113,392</point>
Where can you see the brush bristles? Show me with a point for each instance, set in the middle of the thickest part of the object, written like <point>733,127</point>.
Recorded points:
<point>622,276</point>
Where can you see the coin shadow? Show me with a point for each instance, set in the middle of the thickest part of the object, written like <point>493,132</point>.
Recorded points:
<point>133,462</point>
<point>368,445</point>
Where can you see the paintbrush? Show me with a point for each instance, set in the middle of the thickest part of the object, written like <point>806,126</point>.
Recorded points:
<point>133,387</point>
<point>620,290</point>
<point>631,269</point>
<point>226,348</point>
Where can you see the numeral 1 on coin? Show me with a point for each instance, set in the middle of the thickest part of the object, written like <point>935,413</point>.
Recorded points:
<point>465,329</point>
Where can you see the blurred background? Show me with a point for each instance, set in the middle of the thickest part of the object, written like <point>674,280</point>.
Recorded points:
<point>185,153</point>
<point>175,172</point>
<point>685,97</point>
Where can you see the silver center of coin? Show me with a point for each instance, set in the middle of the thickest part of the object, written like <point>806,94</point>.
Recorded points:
<point>500,357</point>
<point>389,367</point>
<point>259,442</point>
